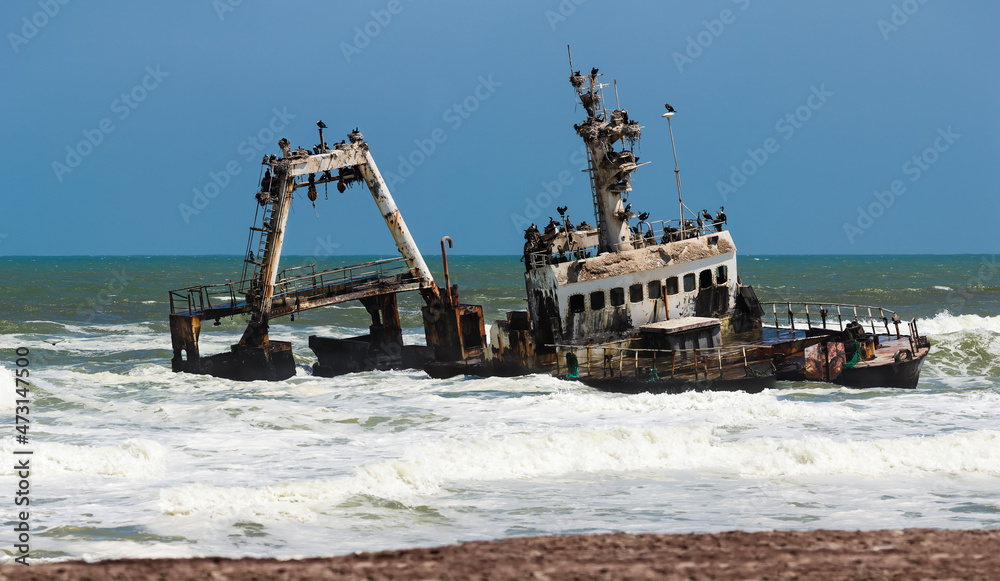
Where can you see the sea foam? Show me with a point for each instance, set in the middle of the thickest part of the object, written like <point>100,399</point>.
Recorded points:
<point>945,323</point>
<point>134,458</point>
<point>428,468</point>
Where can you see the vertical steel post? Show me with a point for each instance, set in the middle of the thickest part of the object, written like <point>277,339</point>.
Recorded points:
<point>677,171</point>
<point>444,259</point>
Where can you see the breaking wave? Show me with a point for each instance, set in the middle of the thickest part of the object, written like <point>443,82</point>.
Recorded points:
<point>965,348</point>
<point>945,323</point>
<point>430,468</point>
<point>134,458</point>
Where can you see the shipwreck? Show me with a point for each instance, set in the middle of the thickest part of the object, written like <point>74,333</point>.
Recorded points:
<point>627,304</point>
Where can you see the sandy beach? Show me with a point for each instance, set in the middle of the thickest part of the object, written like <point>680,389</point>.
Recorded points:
<point>822,554</point>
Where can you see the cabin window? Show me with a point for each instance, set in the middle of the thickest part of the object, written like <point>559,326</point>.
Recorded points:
<point>635,293</point>
<point>617,297</point>
<point>689,282</point>
<point>597,300</point>
<point>705,279</point>
<point>721,275</point>
<point>654,289</point>
<point>577,304</point>
<point>672,287</point>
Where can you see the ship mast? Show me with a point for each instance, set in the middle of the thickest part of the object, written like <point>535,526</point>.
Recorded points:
<point>677,172</point>
<point>610,170</point>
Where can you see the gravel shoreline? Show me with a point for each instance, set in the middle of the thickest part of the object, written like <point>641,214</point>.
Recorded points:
<point>826,554</point>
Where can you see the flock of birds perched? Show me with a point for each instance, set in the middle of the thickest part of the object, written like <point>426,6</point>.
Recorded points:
<point>355,136</point>
<point>555,226</point>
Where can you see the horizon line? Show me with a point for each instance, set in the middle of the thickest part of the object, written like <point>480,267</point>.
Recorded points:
<point>334,256</point>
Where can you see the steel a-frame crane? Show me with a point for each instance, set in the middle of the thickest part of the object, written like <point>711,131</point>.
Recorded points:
<point>453,331</point>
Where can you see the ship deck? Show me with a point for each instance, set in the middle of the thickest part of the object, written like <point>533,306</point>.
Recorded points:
<point>895,362</point>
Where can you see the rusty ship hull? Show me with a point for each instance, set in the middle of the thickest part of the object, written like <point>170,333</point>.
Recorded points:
<point>890,361</point>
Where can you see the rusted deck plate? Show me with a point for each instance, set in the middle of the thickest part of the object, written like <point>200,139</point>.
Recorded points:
<point>886,353</point>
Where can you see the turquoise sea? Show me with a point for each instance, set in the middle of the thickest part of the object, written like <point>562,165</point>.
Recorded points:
<point>132,460</point>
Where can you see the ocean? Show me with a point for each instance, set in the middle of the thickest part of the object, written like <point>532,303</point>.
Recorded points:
<point>131,460</point>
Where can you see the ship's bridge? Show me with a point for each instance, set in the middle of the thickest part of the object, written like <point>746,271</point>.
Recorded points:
<point>613,294</point>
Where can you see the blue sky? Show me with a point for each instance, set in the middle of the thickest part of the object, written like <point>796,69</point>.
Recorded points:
<point>831,128</point>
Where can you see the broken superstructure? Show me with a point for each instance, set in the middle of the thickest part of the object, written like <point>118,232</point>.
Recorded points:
<point>264,292</point>
<point>588,285</point>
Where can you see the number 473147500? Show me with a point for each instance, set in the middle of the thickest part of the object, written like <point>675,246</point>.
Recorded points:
<point>22,389</point>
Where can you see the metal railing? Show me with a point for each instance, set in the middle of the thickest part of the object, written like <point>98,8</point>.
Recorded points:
<point>369,272</point>
<point>644,234</point>
<point>791,317</point>
<point>194,299</point>
<point>544,257</point>
<point>664,231</point>
<point>232,295</point>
